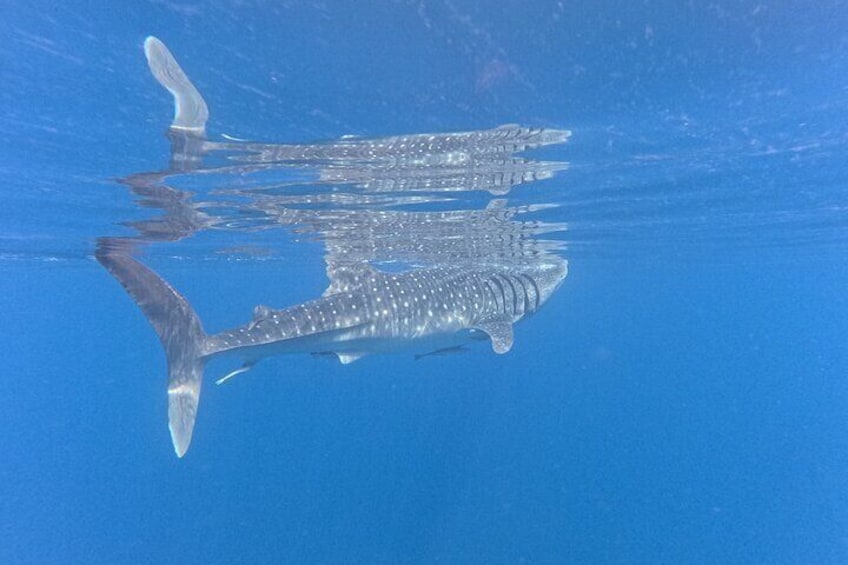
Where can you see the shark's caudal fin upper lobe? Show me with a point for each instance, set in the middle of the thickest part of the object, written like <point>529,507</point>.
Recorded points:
<point>190,110</point>
<point>179,330</point>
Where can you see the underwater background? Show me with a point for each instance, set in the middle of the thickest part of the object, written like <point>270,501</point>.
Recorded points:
<point>682,398</point>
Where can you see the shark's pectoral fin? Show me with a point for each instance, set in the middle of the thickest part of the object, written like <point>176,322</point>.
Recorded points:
<point>500,332</point>
<point>476,334</point>
<point>346,358</point>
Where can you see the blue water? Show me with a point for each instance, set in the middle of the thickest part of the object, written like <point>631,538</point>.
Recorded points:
<point>681,398</point>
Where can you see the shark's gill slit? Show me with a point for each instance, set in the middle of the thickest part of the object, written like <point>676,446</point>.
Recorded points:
<point>514,298</point>
<point>500,294</point>
<point>530,294</point>
<point>496,295</point>
<point>521,303</point>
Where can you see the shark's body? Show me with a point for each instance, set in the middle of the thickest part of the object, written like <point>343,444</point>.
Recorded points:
<point>365,311</point>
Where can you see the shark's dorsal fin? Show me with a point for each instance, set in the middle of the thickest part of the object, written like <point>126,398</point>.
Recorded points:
<point>345,277</point>
<point>500,332</point>
<point>260,313</point>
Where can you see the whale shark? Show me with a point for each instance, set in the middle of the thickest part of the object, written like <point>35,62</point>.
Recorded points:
<point>468,276</point>
<point>363,311</point>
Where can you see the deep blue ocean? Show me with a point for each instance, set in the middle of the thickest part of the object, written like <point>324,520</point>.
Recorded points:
<point>681,398</point>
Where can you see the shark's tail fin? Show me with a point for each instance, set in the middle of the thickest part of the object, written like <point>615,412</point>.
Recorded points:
<point>179,330</point>
<point>190,110</point>
<point>188,128</point>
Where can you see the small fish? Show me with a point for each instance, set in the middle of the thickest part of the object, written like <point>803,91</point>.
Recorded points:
<point>442,352</point>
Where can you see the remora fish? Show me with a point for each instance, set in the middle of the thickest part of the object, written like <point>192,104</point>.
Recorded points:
<point>363,311</point>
